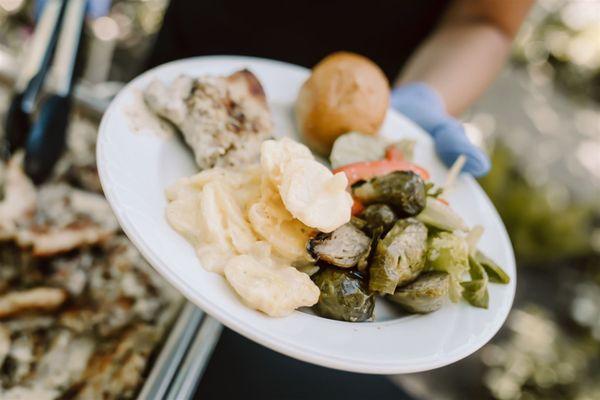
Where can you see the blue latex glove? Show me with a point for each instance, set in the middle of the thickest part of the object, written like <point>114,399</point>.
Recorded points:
<point>425,107</point>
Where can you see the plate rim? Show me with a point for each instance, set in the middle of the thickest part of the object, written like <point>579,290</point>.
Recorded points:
<point>232,321</point>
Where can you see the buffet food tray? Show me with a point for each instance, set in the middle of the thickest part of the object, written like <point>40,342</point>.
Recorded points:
<point>183,357</point>
<point>177,363</point>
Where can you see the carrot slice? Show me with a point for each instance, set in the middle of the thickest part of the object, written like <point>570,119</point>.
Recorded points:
<point>393,153</point>
<point>367,170</point>
<point>357,207</point>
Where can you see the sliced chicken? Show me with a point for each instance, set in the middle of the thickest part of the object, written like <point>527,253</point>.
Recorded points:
<point>66,219</point>
<point>223,119</point>
<point>37,299</point>
<point>17,197</point>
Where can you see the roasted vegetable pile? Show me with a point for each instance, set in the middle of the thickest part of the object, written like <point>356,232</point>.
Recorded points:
<point>404,243</point>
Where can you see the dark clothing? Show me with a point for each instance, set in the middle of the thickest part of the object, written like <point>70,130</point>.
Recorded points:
<point>299,32</point>
<point>242,369</point>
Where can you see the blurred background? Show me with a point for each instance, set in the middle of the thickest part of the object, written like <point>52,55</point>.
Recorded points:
<point>540,122</point>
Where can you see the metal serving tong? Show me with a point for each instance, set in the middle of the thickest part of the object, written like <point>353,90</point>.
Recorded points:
<point>39,125</point>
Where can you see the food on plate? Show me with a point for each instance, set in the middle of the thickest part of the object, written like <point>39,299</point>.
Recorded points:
<point>344,296</point>
<point>345,92</point>
<point>475,290</point>
<point>449,253</point>
<point>402,190</point>
<point>399,256</point>
<point>344,247</point>
<point>356,147</point>
<point>287,232</point>
<point>308,189</point>
<point>223,119</point>
<point>494,272</point>
<point>273,289</point>
<point>252,224</point>
<point>378,216</point>
<point>426,294</point>
<point>439,215</point>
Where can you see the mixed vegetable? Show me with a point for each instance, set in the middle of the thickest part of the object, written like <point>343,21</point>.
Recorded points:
<point>404,242</point>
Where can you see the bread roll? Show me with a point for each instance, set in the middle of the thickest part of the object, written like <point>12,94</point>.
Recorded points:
<point>345,92</point>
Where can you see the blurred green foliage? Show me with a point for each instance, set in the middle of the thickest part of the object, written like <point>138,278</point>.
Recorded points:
<point>540,231</point>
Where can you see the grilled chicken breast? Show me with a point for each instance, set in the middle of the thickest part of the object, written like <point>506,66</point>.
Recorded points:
<point>223,119</point>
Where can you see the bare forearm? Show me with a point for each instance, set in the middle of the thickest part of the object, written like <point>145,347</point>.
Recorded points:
<point>464,55</point>
<point>459,62</point>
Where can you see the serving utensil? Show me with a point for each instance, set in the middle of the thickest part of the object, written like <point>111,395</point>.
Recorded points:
<point>40,126</point>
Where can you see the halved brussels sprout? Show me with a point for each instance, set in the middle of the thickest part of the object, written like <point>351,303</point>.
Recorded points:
<point>344,296</point>
<point>424,295</point>
<point>363,262</point>
<point>378,215</point>
<point>402,190</point>
<point>342,247</point>
<point>399,257</point>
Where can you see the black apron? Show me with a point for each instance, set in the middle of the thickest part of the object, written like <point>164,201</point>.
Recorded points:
<point>299,32</point>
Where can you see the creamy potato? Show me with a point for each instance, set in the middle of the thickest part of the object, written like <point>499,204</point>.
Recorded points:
<point>252,225</point>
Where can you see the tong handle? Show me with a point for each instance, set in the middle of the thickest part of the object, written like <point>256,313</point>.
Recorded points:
<point>47,139</point>
<point>16,127</point>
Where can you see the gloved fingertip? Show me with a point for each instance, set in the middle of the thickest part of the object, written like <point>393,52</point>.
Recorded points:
<point>478,164</point>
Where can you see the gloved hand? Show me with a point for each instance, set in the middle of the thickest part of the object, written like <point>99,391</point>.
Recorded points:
<point>425,107</point>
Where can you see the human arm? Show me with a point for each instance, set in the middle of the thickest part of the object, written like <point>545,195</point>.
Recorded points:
<point>452,68</point>
<point>465,53</point>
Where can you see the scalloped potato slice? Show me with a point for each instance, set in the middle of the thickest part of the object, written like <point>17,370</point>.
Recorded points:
<point>309,190</point>
<point>276,290</point>
<point>315,196</point>
<point>276,154</point>
<point>208,210</point>
<point>274,223</point>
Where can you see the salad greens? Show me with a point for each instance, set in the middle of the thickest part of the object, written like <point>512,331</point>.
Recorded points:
<point>449,253</point>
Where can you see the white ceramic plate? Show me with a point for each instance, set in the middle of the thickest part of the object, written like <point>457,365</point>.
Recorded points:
<point>135,168</point>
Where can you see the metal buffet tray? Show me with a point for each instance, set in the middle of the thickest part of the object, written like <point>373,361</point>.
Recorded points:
<point>184,356</point>
<point>179,364</point>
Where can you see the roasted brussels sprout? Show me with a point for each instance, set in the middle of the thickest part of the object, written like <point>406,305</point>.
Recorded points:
<point>449,253</point>
<point>363,261</point>
<point>475,291</point>
<point>378,215</point>
<point>342,247</point>
<point>344,296</point>
<point>402,190</point>
<point>399,257</point>
<point>424,295</point>
<point>493,270</point>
